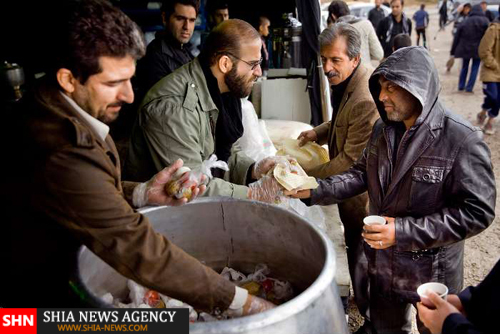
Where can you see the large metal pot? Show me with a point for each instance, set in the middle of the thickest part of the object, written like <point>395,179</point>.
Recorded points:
<point>240,234</point>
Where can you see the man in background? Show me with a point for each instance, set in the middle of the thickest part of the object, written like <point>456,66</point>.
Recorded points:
<point>170,49</point>
<point>389,27</point>
<point>421,18</point>
<point>401,41</point>
<point>376,14</point>
<point>263,29</point>
<point>218,12</point>
<point>489,15</point>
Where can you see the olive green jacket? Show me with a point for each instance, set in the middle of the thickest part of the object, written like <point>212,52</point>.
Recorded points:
<point>175,121</point>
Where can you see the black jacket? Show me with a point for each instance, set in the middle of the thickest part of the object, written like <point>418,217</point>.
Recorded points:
<point>441,189</point>
<point>481,307</point>
<point>469,34</point>
<point>375,16</point>
<point>388,28</point>
<point>163,56</point>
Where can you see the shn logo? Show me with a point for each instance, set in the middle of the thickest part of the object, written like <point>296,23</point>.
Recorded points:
<point>17,320</point>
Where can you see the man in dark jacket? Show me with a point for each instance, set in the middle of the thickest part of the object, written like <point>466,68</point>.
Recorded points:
<point>392,25</point>
<point>170,49</point>
<point>376,14</point>
<point>465,45</point>
<point>429,173</point>
<point>474,311</point>
<point>64,188</point>
<point>489,15</point>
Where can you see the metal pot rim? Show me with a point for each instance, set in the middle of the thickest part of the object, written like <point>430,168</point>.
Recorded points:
<point>290,308</point>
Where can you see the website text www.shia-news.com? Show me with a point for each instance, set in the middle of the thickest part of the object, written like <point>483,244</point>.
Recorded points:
<point>103,328</point>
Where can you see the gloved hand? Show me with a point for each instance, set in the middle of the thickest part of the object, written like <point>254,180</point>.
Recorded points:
<point>263,166</point>
<point>307,136</point>
<point>267,189</point>
<point>255,305</point>
<point>154,191</point>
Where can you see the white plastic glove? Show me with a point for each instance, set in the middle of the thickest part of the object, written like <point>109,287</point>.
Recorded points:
<point>267,189</point>
<point>246,304</point>
<point>153,192</point>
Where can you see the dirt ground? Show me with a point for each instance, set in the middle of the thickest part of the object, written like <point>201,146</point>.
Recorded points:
<point>483,250</point>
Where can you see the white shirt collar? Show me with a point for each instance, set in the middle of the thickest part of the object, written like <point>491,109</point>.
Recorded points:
<point>99,127</point>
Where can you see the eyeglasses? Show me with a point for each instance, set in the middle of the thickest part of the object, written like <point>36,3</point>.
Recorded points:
<point>253,64</point>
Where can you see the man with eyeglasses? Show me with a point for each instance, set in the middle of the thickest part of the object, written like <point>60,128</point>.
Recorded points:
<point>196,112</point>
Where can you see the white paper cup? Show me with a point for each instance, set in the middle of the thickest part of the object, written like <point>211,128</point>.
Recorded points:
<point>440,289</point>
<point>374,220</point>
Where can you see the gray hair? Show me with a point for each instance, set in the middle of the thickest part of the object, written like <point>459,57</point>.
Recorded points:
<point>351,35</point>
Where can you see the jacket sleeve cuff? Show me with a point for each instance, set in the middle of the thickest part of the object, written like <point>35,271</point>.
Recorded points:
<point>239,166</point>
<point>457,323</point>
<point>322,132</point>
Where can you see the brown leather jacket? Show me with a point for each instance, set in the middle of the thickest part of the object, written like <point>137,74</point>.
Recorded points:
<point>441,187</point>
<point>62,190</point>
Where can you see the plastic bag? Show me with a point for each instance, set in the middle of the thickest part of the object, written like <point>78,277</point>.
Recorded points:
<point>255,142</point>
<point>180,188</point>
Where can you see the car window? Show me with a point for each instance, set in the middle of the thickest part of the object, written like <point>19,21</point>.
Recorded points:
<point>356,12</point>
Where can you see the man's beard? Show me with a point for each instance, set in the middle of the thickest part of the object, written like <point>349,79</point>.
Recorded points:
<point>399,115</point>
<point>106,117</point>
<point>237,85</point>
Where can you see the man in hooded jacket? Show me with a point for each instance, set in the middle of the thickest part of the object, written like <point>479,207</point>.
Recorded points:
<point>428,173</point>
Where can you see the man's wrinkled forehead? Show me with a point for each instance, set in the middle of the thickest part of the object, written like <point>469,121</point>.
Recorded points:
<point>384,82</point>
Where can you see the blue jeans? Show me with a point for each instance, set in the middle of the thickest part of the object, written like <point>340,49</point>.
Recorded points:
<point>491,103</point>
<point>473,74</point>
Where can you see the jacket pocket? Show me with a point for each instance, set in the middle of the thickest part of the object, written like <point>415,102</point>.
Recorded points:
<point>411,269</point>
<point>426,186</point>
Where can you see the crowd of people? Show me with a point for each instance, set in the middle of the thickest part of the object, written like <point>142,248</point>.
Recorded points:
<point>395,150</point>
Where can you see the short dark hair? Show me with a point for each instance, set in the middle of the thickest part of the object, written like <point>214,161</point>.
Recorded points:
<point>226,39</point>
<point>92,29</point>
<point>422,6</point>
<point>351,35</point>
<point>338,8</point>
<point>401,41</point>
<point>168,6</point>
<point>213,5</point>
<point>402,2</point>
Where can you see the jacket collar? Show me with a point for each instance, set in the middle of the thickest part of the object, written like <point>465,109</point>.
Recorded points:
<point>49,96</point>
<point>101,129</point>
<point>199,87</point>
<point>353,83</point>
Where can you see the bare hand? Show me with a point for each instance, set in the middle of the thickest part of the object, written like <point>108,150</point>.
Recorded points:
<point>434,318</point>
<point>380,236</point>
<point>307,136</point>
<point>156,187</point>
<point>298,194</point>
<point>455,301</point>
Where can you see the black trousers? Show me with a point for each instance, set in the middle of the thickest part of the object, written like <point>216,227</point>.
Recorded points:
<point>421,31</point>
<point>351,214</point>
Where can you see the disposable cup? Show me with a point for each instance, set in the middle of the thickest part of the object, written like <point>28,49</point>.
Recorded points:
<point>374,220</point>
<point>440,289</point>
